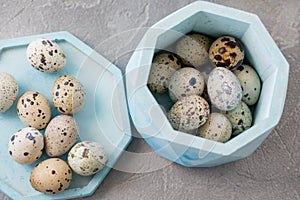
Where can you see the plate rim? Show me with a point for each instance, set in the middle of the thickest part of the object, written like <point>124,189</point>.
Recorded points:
<point>92,186</point>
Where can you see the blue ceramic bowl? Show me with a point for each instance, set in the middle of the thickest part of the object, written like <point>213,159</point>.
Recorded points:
<point>261,51</point>
<point>104,119</point>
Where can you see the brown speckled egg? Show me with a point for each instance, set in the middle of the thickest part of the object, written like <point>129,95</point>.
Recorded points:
<point>188,113</point>
<point>250,83</point>
<point>34,110</point>
<point>164,65</point>
<point>26,145</point>
<point>51,176</point>
<point>240,118</point>
<point>60,135</point>
<point>87,158</point>
<point>68,95</point>
<point>217,128</point>
<point>45,55</point>
<point>227,52</point>
<point>185,82</point>
<point>193,49</point>
<point>8,91</point>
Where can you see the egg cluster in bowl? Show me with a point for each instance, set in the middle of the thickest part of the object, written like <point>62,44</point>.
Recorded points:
<point>230,92</point>
<point>163,126</point>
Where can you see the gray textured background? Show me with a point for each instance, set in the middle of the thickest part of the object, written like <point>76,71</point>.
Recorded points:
<point>272,172</point>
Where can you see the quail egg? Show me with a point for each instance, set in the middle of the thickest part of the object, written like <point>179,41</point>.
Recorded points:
<point>26,145</point>
<point>164,65</point>
<point>45,55</point>
<point>240,118</point>
<point>193,49</point>
<point>8,91</point>
<point>60,135</point>
<point>51,176</point>
<point>34,110</point>
<point>87,158</point>
<point>227,52</point>
<point>224,89</point>
<point>188,113</point>
<point>184,82</point>
<point>250,83</point>
<point>217,128</point>
<point>68,95</point>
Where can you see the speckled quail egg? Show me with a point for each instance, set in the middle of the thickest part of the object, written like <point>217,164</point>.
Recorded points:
<point>8,91</point>
<point>188,113</point>
<point>250,83</point>
<point>227,52</point>
<point>217,128</point>
<point>193,49</point>
<point>184,82</point>
<point>34,110</point>
<point>68,95</point>
<point>51,176</point>
<point>26,145</point>
<point>45,55</point>
<point>87,158</point>
<point>164,65</point>
<point>240,118</point>
<point>60,135</point>
<point>224,89</point>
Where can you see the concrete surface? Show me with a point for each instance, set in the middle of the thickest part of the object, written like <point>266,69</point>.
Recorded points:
<point>272,172</point>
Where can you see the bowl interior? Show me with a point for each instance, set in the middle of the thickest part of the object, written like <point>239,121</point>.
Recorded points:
<point>257,52</point>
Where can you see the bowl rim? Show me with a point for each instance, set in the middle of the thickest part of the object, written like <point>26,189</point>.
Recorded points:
<point>144,58</point>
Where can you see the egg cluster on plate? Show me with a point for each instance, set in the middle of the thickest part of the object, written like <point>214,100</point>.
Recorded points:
<point>211,85</point>
<point>61,134</point>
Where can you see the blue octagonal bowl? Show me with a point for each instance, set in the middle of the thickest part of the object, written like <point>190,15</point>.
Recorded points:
<point>261,51</point>
<point>104,119</point>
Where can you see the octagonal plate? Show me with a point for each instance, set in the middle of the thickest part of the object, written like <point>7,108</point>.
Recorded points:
<point>104,119</point>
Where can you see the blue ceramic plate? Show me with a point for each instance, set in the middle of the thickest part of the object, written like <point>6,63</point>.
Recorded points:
<point>104,119</point>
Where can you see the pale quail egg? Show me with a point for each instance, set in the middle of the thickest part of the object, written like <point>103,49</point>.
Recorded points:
<point>51,176</point>
<point>60,135</point>
<point>227,52</point>
<point>34,110</point>
<point>224,89</point>
<point>8,91</point>
<point>164,65</point>
<point>68,95</point>
<point>240,118</point>
<point>217,128</point>
<point>26,145</point>
<point>87,158</point>
<point>193,49</point>
<point>188,113</point>
<point>250,83</point>
<point>184,82</point>
<point>45,55</point>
